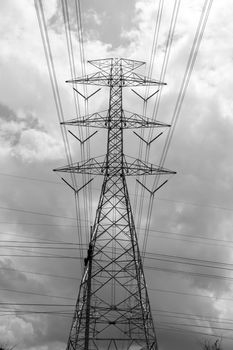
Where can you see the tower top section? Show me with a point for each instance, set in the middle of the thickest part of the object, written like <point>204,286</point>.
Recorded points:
<point>115,73</point>
<point>108,63</point>
<point>116,68</point>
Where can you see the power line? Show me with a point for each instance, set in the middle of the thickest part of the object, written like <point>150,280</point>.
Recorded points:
<point>31,178</point>
<point>24,292</point>
<point>206,205</point>
<point>39,273</point>
<point>190,273</point>
<point>37,304</point>
<point>193,236</point>
<point>188,294</point>
<point>57,99</point>
<point>186,260</point>
<point>181,235</point>
<point>29,312</point>
<point>184,85</point>
<point>173,292</point>
<point>36,213</point>
<point>144,109</point>
<point>194,317</point>
<point>172,27</point>
<point>197,326</point>
<point>149,255</point>
<point>180,330</point>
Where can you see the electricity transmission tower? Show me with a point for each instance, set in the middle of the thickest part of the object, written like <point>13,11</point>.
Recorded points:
<point>113,310</point>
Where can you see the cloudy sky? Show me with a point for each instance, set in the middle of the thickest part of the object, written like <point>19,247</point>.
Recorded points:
<point>192,213</point>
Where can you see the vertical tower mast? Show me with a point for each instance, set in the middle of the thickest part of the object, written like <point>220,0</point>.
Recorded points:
<point>113,309</point>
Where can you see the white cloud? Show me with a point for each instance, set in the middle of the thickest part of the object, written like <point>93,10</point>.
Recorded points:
<point>15,330</point>
<point>92,15</point>
<point>36,145</point>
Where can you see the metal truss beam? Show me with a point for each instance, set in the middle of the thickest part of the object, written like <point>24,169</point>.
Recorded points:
<point>129,121</point>
<point>135,167</point>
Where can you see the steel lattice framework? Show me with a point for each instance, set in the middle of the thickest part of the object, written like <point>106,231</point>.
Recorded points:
<point>113,309</point>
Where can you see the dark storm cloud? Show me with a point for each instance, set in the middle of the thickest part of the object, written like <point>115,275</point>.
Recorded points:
<point>13,280</point>
<point>10,278</point>
<point>29,121</point>
<point>7,114</point>
<point>12,126</point>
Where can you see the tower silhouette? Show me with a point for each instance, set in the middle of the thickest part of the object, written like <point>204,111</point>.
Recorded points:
<point>113,310</point>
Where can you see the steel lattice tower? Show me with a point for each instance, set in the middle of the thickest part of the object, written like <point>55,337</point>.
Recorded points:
<point>113,309</point>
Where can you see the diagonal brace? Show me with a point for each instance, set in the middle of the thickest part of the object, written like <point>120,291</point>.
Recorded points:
<point>143,98</point>
<point>79,138</point>
<point>87,97</point>
<point>78,190</point>
<point>148,142</point>
<point>152,192</point>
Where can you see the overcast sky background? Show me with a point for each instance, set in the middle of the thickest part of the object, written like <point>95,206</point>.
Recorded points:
<point>196,202</point>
